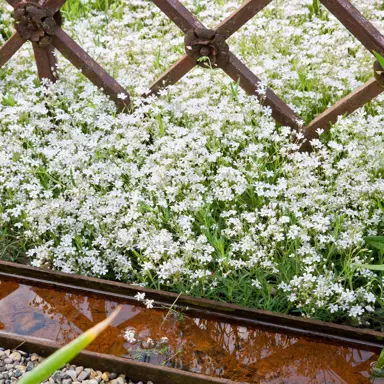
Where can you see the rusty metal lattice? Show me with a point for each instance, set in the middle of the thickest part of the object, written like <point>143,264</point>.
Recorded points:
<point>40,22</point>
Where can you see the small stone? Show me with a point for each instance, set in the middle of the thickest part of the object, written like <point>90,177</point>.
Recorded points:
<point>79,370</point>
<point>84,375</point>
<point>30,366</point>
<point>72,374</point>
<point>149,382</point>
<point>22,353</point>
<point>8,352</point>
<point>119,380</point>
<point>34,357</point>
<point>56,377</point>
<point>51,381</point>
<point>21,368</point>
<point>113,375</point>
<point>67,381</point>
<point>8,361</point>
<point>15,356</point>
<point>18,373</point>
<point>93,373</point>
<point>105,376</point>
<point>93,381</point>
<point>2,353</point>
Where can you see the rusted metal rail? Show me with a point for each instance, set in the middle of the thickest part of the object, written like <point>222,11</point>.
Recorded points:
<point>40,22</point>
<point>40,279</point>
<point>276,322</point>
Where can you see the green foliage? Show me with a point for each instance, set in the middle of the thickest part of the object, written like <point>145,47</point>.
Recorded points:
<point>376,242</point>
<point>379,58</point>
<point>378,370</point>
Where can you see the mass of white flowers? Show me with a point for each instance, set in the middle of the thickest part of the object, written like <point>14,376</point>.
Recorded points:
<point>199,190</point>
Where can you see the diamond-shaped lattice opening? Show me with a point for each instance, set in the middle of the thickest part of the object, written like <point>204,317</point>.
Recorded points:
<point>201,42</point>
<point>40,23</point>
<point>342,9</point>
<point>292,49</point>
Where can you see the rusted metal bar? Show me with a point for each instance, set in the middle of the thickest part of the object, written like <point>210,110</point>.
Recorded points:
<point>91,69</point>
<point>173,75</point>
<point>45,62</point>
<point>356,23</point>
<point>327,332</point>
<point>11,46</point>
<point>134,370</point>
<point>241,16</point>
<point>54,5</point>
<point>180,15</point>
<point>345,106</point>
<point>251,84</point>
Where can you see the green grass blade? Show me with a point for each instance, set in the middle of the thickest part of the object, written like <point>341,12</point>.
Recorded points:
<point>379,58</point>
<point>376,242</point>
<point>372,267</point>
<point>67,353</point>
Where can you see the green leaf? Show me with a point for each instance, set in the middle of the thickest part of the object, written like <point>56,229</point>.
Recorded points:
<point>379,58</point>
<point>380,362</point>
<point>372,267</point>
<point>376,242</point>
<point>67,353</point>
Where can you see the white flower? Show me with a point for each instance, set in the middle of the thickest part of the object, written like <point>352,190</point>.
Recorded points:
<point>122,96</point>
<point>130,336</point>
<point>149,303</point>
<point>140,296</point>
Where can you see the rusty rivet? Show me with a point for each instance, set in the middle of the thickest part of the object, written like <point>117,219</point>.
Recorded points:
<point>35,23</point>
<point>205,51</point>
<point>202,42</point>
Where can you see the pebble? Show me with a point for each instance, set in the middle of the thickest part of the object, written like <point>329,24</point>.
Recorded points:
<point>14,364</point>
<point>72,374</point>
<point>79,370</point>
<point>15,356</point>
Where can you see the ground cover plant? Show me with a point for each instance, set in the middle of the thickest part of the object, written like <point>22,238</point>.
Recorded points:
<point>199,191</point>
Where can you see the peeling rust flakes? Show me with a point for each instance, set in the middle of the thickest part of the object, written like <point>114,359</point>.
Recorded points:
<point>34,23</point>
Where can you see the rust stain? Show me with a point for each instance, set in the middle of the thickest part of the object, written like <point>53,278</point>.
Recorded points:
<point>210,347</point>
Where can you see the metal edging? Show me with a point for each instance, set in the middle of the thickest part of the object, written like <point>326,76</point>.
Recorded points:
<point>276,322</point>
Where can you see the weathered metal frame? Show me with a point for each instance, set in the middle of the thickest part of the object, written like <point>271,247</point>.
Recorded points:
<point>46,60</point>
<point>366,339</point>
<point>348,15</point>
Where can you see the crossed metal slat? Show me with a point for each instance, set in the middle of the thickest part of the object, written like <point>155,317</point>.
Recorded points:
<point>200,43</point>
<point>31,24</point>
<point>349,16</point>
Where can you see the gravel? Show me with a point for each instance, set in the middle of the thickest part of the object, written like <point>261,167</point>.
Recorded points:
<point>14,364</point>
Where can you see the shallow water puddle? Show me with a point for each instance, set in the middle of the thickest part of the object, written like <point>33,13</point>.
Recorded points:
<point>198,345</point>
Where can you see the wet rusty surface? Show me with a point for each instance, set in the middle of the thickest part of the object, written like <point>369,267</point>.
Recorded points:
<point>214,348</point>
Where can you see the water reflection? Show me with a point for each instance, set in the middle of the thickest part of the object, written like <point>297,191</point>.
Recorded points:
<point>198,345</point>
